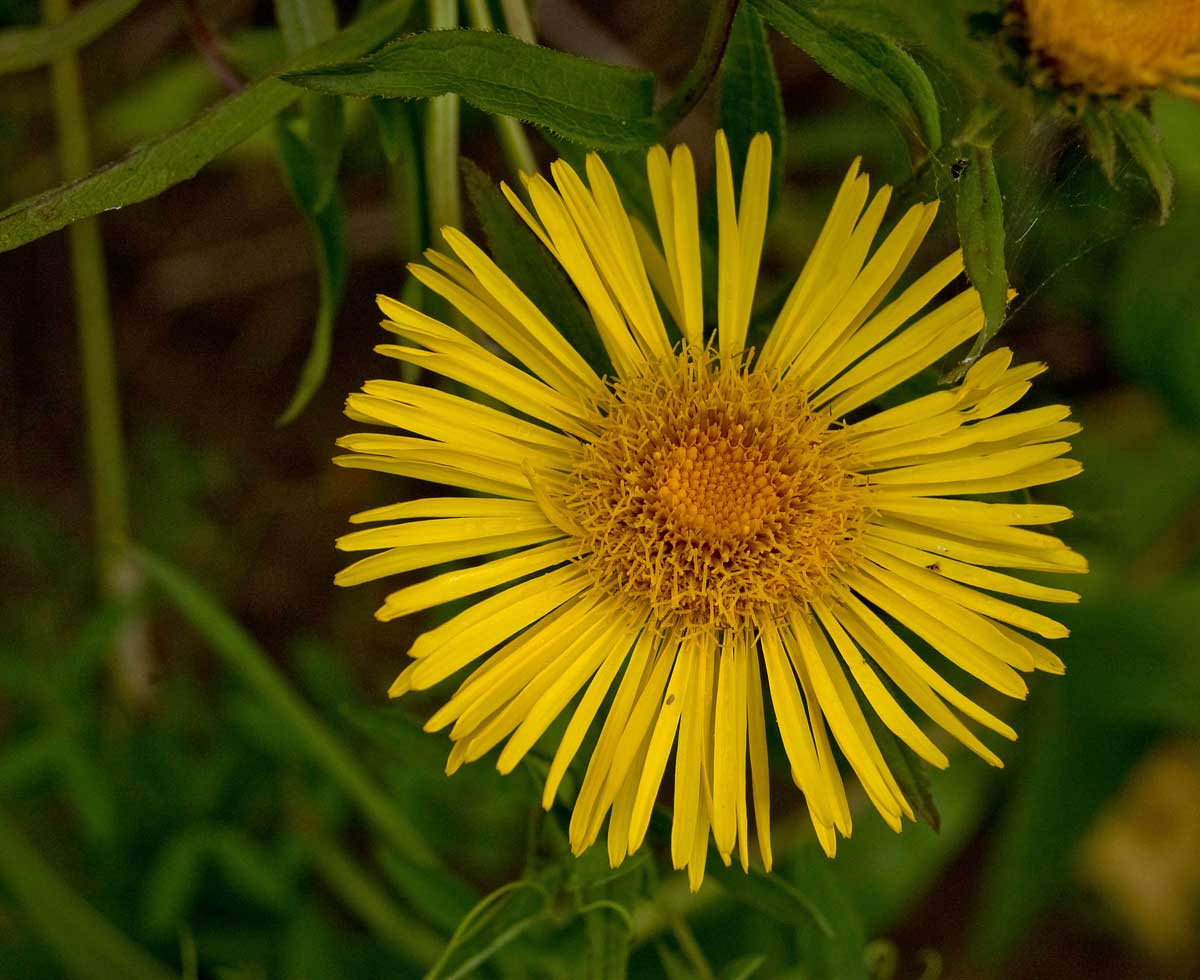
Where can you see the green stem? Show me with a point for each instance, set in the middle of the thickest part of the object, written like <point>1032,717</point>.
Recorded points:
<point>86,943</point>
<point>712,49</point>
<point>105,445</point>
<point>372,905</point>
<point>517,20</point>
<point>241,653</point>
<point>513,140</point>
<point>441,140</point>
<point>691,948</point>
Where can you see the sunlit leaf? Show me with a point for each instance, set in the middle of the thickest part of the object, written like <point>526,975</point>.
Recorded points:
<point>592,103</point>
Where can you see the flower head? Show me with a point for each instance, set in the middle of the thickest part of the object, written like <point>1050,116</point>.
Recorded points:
<point>1114,47</point>
<point>722,535</point>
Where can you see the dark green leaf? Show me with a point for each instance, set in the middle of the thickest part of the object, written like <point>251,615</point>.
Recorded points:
<point>1144,144</point>
<point>154,166</point>
<point>981,232</point>
<point>89,947</point>
<point>750,98</point>
<point>325,221</point>
<point>910,770</point>
<point>442,899</point>
<point>592,103</point>
<point>674,966</point>
<point>526,261</point>
<point>838,952</point>
<point>1101,141</point>
<point>773,895</point>
<point>25,48</point>
<point>869,63</point>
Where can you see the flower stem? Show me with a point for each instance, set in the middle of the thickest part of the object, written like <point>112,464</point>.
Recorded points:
<point>712,49</point>
<point>106,451</point>
<point>512,136</point>
<point>441,140</point>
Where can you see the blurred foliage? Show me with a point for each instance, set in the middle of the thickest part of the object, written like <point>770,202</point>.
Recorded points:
<point>269,815</point>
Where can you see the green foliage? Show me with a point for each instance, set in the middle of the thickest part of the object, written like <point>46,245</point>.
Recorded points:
<point>980,210</point>
<point>151,168</point>
<point>593,104</point>
<point>24,48</point>
<point>871,63</point>
<point>750,98</point>
<point>1142,140</point>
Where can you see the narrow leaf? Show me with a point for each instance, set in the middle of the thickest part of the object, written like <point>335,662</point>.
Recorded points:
<point>326,224</point>
<point>744,967</point>
<point>837,953</point>
<point>750,100</point>
<point>158,164</point>
<point>24,48</point>
<point>583,100</point>
<point>981,232</point>
<point>1101,141</point>
<point>1144,144</point>
<point>909,769</point>
<point>872,64</point>
<point>518,252</point>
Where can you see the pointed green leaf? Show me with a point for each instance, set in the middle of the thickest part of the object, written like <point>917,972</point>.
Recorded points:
<point>325,221</point>
<point>1101,140</point>
<point>838,953</point>
<point>909,769</point>
<point>152,167</point>
<point>981,232</point>
<point>1142,140</point>
<point>24,48</point>
<point>870,63</point>
<point>586,101</point>
<point>750,99</point>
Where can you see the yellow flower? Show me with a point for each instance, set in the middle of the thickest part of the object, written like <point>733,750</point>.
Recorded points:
<point>1114,47</point>
<point>710,515</point>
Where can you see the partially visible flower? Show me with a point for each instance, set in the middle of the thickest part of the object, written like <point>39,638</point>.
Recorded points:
<point>723,534</point>
<point>1112,47</point>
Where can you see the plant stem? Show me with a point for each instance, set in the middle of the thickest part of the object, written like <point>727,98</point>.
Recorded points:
<point>517,20</point>
<point>86,943</point>
<point>712,49</point>
<point>441,140</point>
<point>512,136</point>
<point>118,580</point>
<point>241,653</point>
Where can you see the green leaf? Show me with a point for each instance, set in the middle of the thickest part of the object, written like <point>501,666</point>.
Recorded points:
<point>310,733</point>
<point>89,947</point>
<point>838,952</point>
<point>324,215</point>
<point>872,64</point>
<point>1101,141</point>
<point>981,232</point>
<point>24,48</point>
<point>675,967</point>
<point>750,100</point>
<point>586,101</point>
<point>1144,144</point>
<point>909,769</point>
<point>154,166</point>
<point>526,261</point>
<point>773,895</point>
